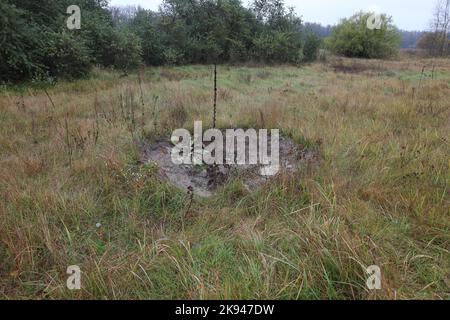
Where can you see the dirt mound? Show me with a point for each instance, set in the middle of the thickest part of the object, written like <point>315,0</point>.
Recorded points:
<point>206,180</point>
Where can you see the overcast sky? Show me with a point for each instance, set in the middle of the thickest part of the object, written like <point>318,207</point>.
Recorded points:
<point>407,14</point>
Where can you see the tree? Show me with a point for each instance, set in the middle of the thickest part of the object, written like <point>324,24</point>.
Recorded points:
<point>35,41</point>
<point>204,31</point>
<point>311,47</point>
<point>64,56</point>
<point>279,36</point>
<point>19,44</point>
<point>440,44</point>
<point>125,50</point>
<point>434,44</point>
<point>144,24</point>
<point>352,38</point>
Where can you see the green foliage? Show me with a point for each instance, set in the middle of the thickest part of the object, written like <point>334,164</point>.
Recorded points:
<point>65,56</point>
<point>19,44</point>
<point>36,44</point>
<point>221,31</point>
<point>35,41</point>
<point>172,56</point>
<point>144,26</point>
<point>206,31</point>
<point>110,46</point>
<point>311,47</point>
<point>277,47</point>
<point>125,50</point>
<point>352,38</point>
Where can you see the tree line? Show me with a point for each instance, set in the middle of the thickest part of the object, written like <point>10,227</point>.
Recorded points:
<point>409,38</point>
<point>37,45</point>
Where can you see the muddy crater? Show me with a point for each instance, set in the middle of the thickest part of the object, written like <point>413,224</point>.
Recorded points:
<point>206,180</point>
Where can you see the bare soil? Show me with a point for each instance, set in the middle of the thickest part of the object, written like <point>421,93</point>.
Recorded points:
<point>207,180</point>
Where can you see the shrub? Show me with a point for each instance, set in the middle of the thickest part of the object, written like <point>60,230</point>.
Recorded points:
<point>144,26</point>
<point>172,56</point>
<point>283,47</point>
<point>237,51</point>
<point>65,56</point>
<point>311,47</point>
<point>126,50</point>
<point>20,44</point>
<point>352,38</point>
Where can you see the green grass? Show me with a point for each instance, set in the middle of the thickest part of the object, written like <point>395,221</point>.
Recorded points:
<point>425,76</point>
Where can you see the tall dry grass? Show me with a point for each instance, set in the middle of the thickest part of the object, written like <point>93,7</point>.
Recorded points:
<point>379,196</point>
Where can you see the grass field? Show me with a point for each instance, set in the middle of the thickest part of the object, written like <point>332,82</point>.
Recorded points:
<point>74,192</point>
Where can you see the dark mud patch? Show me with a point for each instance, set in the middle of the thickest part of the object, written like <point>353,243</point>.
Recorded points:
<point>207,180</point>
<point>358,68</point>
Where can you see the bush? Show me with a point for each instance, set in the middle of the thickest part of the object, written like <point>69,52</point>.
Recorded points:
<point>65,56</point>
<point>311,47</point>
<point>126,50</point>
<point>172,56</point>
<point>144,26</point>
<point>35,41</point>
<point>20,42</point>
<point>236,51</point>
<point>283,47</point>
<point>352,38</point>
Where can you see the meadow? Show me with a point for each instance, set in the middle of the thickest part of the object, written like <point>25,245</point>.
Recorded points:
<point>75,191</point>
